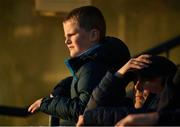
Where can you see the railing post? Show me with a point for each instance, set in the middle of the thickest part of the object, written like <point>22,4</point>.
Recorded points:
<point>53,121</point>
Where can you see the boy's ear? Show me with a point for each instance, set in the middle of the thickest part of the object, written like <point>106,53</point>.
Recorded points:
<point>95,35</point>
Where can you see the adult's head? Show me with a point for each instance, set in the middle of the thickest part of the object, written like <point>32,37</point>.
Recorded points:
<point>152,78</point>
<point>83,27</point>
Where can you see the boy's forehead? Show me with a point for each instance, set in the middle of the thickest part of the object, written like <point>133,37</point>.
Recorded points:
<point>72,20</point>
<point>70,25</point>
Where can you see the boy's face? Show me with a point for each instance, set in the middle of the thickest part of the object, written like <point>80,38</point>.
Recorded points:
<point>144,87</point>
<point>77,39</point>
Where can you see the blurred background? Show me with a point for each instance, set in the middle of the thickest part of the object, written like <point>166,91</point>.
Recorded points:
<point>32,49</point>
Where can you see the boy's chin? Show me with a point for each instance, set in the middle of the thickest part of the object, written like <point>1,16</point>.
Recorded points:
<point>73,55</point>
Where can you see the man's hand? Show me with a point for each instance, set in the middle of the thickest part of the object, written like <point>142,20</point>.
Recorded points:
<point>145,119</point>
<point>35,106</point>
<point>135,63</point>
<point>80,121</point>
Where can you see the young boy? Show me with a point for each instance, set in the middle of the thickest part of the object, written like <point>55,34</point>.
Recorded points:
<point>91,55</point>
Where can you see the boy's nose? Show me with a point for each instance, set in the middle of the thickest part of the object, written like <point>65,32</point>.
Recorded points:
<point>67,41</point>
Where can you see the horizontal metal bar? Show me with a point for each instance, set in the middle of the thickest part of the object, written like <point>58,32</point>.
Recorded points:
<point>163,47</point>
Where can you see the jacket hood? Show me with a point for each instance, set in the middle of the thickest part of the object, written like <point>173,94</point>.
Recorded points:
<point>113,52</point>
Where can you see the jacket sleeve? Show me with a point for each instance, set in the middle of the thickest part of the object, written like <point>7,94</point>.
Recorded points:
<point>109,85</point>
<point>104,116</point>
<point>69,108</point>
<point>63,87</point>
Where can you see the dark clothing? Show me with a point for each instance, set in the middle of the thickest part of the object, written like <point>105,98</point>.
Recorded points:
<point>88,70</point>
<point>105,116</point>
<point>169,117</point>
<point>151,103</point>
<point>94,115</point>
<point>108,103</point>
<point>63,87</point>
<point>110,92</point>
<point>169,106</point>
<point>109,116</point>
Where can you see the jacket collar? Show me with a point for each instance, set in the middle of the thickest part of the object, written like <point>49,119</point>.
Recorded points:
<point>75,63</point>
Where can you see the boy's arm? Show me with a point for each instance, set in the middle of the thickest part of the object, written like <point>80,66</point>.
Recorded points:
<point>61,89</point>
<point>70,108</point>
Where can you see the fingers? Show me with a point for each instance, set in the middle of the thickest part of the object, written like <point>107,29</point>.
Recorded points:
<point>141,61</point>
<point>135,63</point>
<point>80,121</point>
<point>119,124</point>
<point>32,108</point>
<point>144,58</point>
<point>51,96</point>
<point>35,106</point>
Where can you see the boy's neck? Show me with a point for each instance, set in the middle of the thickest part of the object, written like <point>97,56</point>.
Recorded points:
<point>90,49</point>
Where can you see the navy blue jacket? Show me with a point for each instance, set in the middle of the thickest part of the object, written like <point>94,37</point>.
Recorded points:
<point>87,70</point>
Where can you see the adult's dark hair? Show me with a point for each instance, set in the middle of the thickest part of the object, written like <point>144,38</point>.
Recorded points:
<point>160,67</point>
<point>170,94</point>
<point>88,17</point>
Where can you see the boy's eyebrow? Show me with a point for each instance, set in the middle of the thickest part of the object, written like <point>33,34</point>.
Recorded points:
<point>70,34</point>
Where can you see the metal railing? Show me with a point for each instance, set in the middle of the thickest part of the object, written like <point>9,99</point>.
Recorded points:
<point>163,47</point>
<point>14,111</point>
<point>23,112</point>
